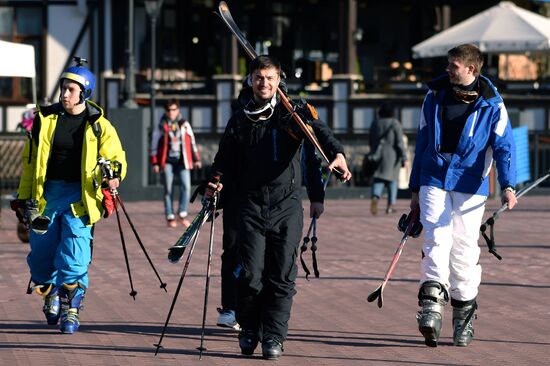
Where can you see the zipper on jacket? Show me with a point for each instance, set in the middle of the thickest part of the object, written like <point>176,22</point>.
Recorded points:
<point>274,134</point>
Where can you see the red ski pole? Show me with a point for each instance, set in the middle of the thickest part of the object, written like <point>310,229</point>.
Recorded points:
<point>413,228</point>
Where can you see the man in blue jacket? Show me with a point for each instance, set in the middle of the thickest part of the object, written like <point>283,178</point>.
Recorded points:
<point>463,127</point>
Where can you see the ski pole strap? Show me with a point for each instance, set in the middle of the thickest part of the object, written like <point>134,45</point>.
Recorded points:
<point>304,248</point>
<point>314,248</point>
<point>491,220</point>
<point>490,240</point>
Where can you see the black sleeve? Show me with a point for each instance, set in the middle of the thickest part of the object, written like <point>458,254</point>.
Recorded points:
<point>224,161</point>
<point>330,145</point>
<point>313,175</point>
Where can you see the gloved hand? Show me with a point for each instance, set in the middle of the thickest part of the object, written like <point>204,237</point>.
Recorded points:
<point>108,202</point>
<point>19,207</point>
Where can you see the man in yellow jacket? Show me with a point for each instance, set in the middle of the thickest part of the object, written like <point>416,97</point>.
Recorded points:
<point>62,184</point>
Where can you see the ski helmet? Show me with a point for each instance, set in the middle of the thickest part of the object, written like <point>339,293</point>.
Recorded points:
<point>82,76</point>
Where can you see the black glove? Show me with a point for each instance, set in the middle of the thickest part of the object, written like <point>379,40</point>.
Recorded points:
<point>416,227</point>
<point>19,206</point>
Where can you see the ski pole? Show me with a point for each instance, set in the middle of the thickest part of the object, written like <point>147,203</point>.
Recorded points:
<point>209,213</point>
<point>490,222</point>
<point>119,200</point>
<point>413,228</point>
<point>208,267</point>
<point>133,292</point>
<point>189,255</point>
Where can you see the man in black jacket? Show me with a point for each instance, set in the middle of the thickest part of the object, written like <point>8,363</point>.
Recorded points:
<point>261,150</point>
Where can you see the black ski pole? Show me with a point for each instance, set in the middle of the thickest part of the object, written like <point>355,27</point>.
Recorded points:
<point>209,213</point>
<point>119,200</point>
<point>133,292</point>
<point>189,255</point>
<point>490,222</point>
<point>413,228</point>
<point>208,267</point>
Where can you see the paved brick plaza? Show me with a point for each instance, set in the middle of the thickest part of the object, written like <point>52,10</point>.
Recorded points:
<point>332,324</point>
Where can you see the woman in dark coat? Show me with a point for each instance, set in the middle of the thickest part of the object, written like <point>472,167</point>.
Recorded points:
<point>387,130</point>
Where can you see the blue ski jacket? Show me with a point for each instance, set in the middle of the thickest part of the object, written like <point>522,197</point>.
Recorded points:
<point>487,135</point>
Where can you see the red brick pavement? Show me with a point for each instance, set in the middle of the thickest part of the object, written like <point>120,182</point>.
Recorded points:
<point>331,323</point>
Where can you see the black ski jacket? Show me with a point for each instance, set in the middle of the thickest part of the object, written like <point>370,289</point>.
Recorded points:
<point>263,154</point>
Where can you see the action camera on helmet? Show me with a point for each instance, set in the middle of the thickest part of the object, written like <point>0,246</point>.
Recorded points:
<point>82,76</point>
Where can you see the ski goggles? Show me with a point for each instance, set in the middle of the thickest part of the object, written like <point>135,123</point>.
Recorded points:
<point>260,114</point>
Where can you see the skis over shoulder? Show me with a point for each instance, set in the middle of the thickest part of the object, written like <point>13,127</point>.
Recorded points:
<point>225,14</point>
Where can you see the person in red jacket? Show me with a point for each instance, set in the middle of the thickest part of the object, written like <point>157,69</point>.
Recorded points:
<point>174,153</point>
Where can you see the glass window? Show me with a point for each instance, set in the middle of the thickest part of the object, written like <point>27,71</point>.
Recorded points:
<point>6,17</point>
<point>28,21</point>
<point>21,24</point>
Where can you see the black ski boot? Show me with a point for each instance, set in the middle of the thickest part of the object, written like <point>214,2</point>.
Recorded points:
<point>248,341</point>
<point>272,349</point>
<point>432,298</point>
<point>463,331</point>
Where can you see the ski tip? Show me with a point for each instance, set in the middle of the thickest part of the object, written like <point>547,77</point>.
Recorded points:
<point>380,301</point>
<point>374,295</point>
<point>223,6</point>
<point>174,254</point>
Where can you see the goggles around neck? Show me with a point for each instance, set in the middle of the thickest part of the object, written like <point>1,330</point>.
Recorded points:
<point>262,113</point>
<point>466,96</point>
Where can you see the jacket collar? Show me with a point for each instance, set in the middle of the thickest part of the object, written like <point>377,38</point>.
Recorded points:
<point>487,91</point>
<point>94,111</point>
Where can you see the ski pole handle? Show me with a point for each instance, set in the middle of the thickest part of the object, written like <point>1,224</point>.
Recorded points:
<point>215,180</point>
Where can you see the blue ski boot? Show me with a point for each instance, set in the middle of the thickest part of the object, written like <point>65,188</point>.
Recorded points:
<point>71,297</point>
<point>50,294</point>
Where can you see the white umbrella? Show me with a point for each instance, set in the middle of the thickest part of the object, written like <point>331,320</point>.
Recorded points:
<point>18,60</point>
<point>504,28</point>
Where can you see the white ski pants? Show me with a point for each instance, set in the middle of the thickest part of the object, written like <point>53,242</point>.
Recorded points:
<point>450,250</point>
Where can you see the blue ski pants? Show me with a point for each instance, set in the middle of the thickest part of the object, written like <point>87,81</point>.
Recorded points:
<point>63,253</point>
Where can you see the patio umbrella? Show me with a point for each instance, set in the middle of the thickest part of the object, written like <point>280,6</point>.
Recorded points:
<point>18,60</point>
<point>503,28</point>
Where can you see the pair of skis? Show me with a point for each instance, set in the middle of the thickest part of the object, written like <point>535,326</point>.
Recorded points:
<point>225,15</point>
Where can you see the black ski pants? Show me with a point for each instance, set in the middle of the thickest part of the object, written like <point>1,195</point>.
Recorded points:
<point>269,234</point>
<point>229,255</point>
